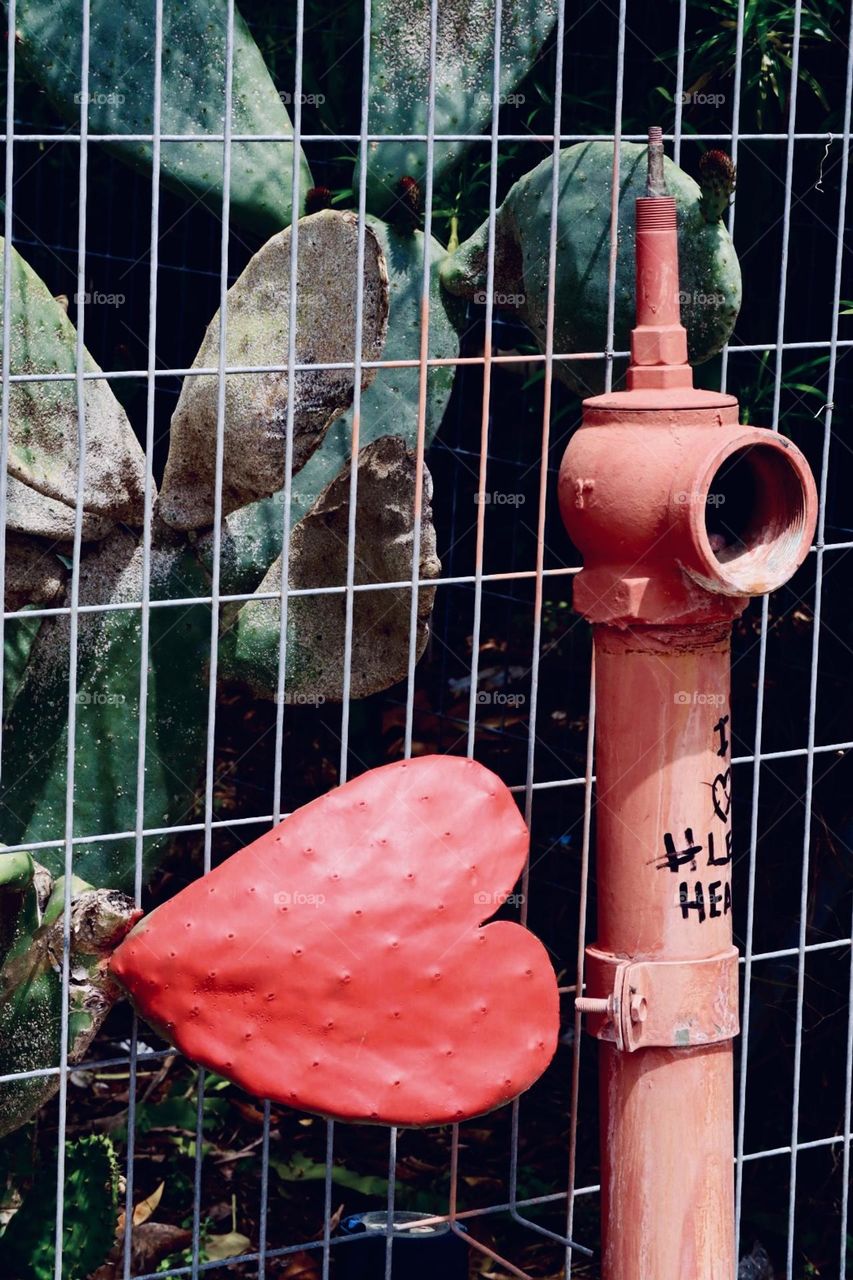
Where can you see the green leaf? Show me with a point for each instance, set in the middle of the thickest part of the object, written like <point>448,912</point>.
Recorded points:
<point>301,1168</point>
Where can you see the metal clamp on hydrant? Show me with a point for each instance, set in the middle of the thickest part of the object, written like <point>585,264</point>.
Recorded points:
<point>680,514</point>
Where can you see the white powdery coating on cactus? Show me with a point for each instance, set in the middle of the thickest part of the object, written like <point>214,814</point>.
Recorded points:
<point>257,334</point>
<point>43,426</point>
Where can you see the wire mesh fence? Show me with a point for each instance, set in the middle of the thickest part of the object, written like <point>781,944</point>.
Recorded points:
<point>506,674</point>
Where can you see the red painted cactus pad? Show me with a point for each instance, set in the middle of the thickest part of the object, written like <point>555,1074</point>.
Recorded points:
<point>337,964</point>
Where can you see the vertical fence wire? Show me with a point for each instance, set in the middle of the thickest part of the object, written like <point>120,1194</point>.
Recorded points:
<point>536,640</point>
<point>73,635</point>
<point>284,579</point>
<point>734,140</point>
<point>777,396</point>
<point>343,772</point>
<point>5,392</point>
<point>494,156</point>
<point>484,439</point>
<point>210,764</point>
<point>352,522</point>
<point>423,384</point>
<point>145,611</point>
<point>823,485</point>
<point>752,855</point>
<point>762,665</point>
<point>581,957</point>
<point>679,80</point>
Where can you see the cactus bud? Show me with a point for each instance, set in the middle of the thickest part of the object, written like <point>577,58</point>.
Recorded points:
<point>409,197</point>
<point>317,199</point>
<point>717,175</point>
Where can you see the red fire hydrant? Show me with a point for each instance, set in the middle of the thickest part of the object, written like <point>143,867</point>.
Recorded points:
<point>680,514</point>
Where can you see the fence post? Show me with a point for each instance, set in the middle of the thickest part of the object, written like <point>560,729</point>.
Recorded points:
<point>681,515</point>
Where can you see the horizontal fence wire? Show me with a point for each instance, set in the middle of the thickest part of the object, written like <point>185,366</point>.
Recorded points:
<point>135,1055</point>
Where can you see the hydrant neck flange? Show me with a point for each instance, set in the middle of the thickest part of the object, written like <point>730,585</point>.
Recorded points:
<point>681,400</point>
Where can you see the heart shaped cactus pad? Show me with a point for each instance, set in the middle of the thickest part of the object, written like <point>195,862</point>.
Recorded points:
<point>337,964</point>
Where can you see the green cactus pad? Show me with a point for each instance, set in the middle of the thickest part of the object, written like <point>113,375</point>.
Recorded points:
<point>257,330</point>
<point>18,636</point>
<point>251,538</point>
<point>121,96</point>
<point>384,547</point>
<point>709,269</point>
<point>399,79</point>
<point>32,802</point>
<point>43,453</point>
<point>31,987</point>
<point>19,915</point>
<point>27,1250</point>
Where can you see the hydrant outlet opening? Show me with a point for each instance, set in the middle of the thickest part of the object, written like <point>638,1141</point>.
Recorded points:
<point>757,519</point>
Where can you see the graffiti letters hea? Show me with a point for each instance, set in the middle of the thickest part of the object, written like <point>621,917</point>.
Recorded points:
<point>707,899</point>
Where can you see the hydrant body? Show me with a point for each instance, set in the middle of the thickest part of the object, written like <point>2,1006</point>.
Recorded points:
<point>680,514</point>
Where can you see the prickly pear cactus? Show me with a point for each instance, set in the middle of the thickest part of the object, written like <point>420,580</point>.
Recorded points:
<point>710,273</point>
<point>121,95</point>
<point>43,453</point>
<point>30,976</point>
<point>109,656</point>
<point>251,537</point>
<point>32,800</point>
<point>385,547</point>
<point>27,1249</point>
<point>257,324</point>
<point>464,58</point>
<point>388,431</point>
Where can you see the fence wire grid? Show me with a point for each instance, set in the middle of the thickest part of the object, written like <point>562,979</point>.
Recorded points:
<point>503,592</point>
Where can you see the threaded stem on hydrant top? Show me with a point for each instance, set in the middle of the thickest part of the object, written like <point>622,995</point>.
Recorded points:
<point>656,181</point>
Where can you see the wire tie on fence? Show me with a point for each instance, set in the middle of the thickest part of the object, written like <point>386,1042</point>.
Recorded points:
<point>818,186</point>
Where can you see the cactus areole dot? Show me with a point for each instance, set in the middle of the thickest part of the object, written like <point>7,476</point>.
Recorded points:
<point>338,963</point>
